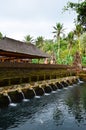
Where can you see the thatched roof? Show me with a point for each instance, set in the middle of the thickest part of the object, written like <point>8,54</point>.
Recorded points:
<point>14,48</point>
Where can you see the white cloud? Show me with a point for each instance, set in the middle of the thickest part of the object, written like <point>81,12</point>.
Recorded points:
<point>17,29</point>
<point>35,17</point>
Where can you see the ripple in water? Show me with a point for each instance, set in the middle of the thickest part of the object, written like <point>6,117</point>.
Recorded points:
<point>64,110</point>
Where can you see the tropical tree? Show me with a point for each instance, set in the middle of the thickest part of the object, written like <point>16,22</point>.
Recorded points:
<point>58,30</point>
<point>48,46</point>
<point>70,39</point>
<point>1,36</point>
<point>39,42</point>
<point>78,31</point>
<point>80,9</point>
<point>83,43</point>
<point>28,39</point>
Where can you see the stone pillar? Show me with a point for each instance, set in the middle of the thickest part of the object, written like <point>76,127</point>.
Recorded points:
<point>77,62</point>
<point>53,59</point>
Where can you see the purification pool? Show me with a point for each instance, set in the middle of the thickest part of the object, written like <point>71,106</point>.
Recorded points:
<point>64,109</point>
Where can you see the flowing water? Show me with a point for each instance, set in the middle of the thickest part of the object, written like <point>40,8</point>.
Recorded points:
<point>63,110</point>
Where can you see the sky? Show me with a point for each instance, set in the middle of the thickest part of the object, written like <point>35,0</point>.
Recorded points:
<point>19,18</point>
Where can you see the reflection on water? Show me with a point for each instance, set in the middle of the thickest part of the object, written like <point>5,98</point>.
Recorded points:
<point>63,110</point>
<point>75,102</point>
<point>58,117</point>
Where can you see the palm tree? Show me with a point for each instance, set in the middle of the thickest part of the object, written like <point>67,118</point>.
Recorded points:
<point>28,39</point>
<point>48,45</point>
<point>39,42</point>
<point>70,39</point>
<point>83,43</point>
<point>78,31</point>
<point>58,31</point>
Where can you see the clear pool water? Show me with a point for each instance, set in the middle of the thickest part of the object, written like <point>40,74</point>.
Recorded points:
<point>64,109</point>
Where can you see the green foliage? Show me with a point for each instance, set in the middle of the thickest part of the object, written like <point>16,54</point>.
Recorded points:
<point>28,39</point>
<point>64,48</point>
<point>78,30</point>
<point>63,44</point>
<point>84,60</point>
<point>35,61</point>
<point>39,42</point>
<point>51,47</point>
<point>1,36</point>
<point>70,39</point>
<point>48,47</point>
<point>80,9</point>
<point>83,43</point>
<point>58,30</point>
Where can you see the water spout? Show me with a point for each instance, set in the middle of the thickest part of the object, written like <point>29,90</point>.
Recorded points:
<point>67,83</point>
<point>35,94</point>
<point>24,99</point>
<point>62,85</point>
<point>46,94</point>
<point>56,86</point>
<point>50,87</point>
<point>42,89</point>
<point>10,101</point>
<point>80,81</point>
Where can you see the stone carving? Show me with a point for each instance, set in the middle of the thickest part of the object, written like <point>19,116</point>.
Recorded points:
<point>77,61</point>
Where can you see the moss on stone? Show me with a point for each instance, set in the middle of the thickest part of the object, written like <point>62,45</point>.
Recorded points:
<point>15,96</point>
<point>4,101</point>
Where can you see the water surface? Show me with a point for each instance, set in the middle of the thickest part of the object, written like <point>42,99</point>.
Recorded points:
<point>63,110</point>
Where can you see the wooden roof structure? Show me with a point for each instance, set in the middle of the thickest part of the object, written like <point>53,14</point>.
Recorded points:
<point>14,48</point>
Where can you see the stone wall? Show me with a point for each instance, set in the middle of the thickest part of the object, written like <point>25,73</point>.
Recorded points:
<point>26,73</point>
<point>16,93</point>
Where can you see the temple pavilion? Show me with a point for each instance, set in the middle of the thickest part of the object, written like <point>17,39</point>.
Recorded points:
<point>13,50</point>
